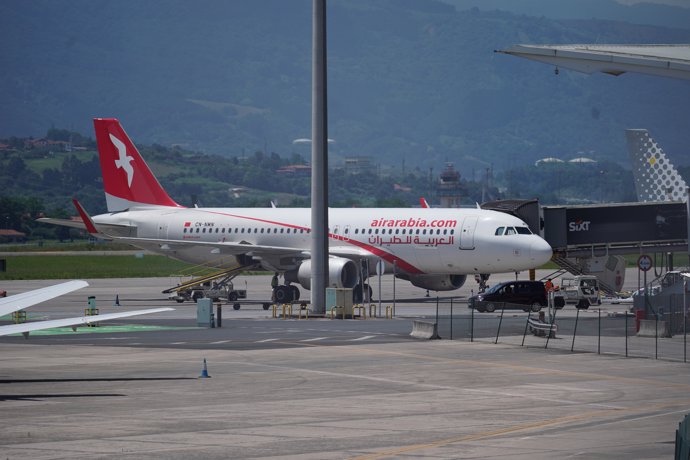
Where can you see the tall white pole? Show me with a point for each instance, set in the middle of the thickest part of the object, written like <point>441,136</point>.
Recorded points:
<point>319,161</point>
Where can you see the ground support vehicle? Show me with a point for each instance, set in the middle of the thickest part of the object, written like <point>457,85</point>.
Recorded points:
<point>581,291</point>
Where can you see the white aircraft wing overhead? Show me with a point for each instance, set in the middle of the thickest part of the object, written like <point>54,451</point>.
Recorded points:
<point>661,60</point>
<point>26,299</point>
<point>25,328</point>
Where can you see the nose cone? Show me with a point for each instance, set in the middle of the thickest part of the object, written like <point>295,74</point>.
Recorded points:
<point>540,252</point>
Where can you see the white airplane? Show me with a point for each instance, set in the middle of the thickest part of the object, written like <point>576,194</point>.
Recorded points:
<point>656,179</point>
<point>26,299</point>
<point>432,248</point>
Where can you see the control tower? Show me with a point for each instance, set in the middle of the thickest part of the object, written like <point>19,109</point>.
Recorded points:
<point>449,190</point>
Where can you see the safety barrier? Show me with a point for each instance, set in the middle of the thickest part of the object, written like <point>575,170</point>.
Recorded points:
<point>654,328</point>
<point>361,310</point>
<point>541,329</point>
<point>335,311</point>
<point>424,330</point>
<point>303,308</point>
<point>372,310</point>
<point>389,312</point>
<point>19,317</point>
<point>286,310</point>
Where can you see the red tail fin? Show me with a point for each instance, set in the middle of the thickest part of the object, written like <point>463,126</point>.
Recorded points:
<point>127,180</point>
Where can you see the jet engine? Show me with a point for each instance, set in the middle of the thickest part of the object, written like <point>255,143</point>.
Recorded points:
<point>342,273</point>
<point>436,282</point>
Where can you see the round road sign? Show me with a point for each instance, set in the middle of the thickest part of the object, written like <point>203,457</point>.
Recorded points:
<point>644,263</point>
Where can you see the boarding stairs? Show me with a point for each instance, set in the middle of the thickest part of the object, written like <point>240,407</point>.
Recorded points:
<point>221,278</point>
<point>566,265</point>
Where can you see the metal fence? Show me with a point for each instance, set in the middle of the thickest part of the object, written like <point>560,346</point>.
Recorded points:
<point>663,336</point>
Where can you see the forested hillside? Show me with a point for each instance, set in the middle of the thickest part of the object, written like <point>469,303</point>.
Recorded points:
<point>41,176</point>
<point>409,80</point>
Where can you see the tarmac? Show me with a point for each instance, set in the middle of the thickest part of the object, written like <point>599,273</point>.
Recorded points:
<point>370,392</point>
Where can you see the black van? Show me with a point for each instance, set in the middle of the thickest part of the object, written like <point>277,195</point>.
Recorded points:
<point>526,295</point>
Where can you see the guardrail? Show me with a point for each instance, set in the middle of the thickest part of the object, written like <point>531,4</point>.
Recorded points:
<point>610,330</point>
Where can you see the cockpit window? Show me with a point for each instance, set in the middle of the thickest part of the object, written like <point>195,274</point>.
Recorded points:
<point>510,231</point>
<point>523,230</point>
<point>499,231</point>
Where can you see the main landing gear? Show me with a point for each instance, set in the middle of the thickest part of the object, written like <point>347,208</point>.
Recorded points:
<point>358,293</point>
<point>285,294</point>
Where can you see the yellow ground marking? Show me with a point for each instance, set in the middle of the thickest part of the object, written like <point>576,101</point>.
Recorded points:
<point>512,429</point>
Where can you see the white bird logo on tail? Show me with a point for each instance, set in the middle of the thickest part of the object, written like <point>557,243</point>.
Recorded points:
<point>125,160</point>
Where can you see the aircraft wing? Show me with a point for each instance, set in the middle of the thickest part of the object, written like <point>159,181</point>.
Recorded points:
<point>227,247</point>
<point>234,248</point>
<point>26,299</point>
<point>25,328</point>
<point>350,252</point>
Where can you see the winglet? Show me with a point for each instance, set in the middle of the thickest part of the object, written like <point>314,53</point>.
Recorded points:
<point>90,226</point>
<point>423,203</point>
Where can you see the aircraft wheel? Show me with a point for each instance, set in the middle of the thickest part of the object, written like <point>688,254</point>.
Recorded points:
<point>236,306</point>
<point>357,294</point>
<point>282,294</point>
<point>295,292</point>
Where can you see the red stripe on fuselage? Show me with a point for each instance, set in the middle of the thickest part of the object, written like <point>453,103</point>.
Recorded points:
<point>388,257</point>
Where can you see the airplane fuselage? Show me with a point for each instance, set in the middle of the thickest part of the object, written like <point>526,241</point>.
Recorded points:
<point>418,241</point>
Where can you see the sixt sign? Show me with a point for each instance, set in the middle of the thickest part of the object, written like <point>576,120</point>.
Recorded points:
<point>579,225</point>
<point>615,223</point>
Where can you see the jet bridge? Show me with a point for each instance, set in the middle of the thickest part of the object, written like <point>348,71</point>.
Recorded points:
<point>587,238</point>
<point>618,228</point>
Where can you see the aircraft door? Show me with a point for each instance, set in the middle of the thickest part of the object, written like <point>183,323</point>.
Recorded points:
<point>469,225</point>
<point>163,230</point>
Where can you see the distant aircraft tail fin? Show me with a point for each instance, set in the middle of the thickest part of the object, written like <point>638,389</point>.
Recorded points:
<point>656,179</point>
<point>127,180</point>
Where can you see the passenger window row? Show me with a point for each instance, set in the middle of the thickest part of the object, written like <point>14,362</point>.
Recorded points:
<point>375,231</point>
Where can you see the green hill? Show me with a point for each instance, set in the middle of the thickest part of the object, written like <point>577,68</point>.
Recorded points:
<point>412,80</point>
